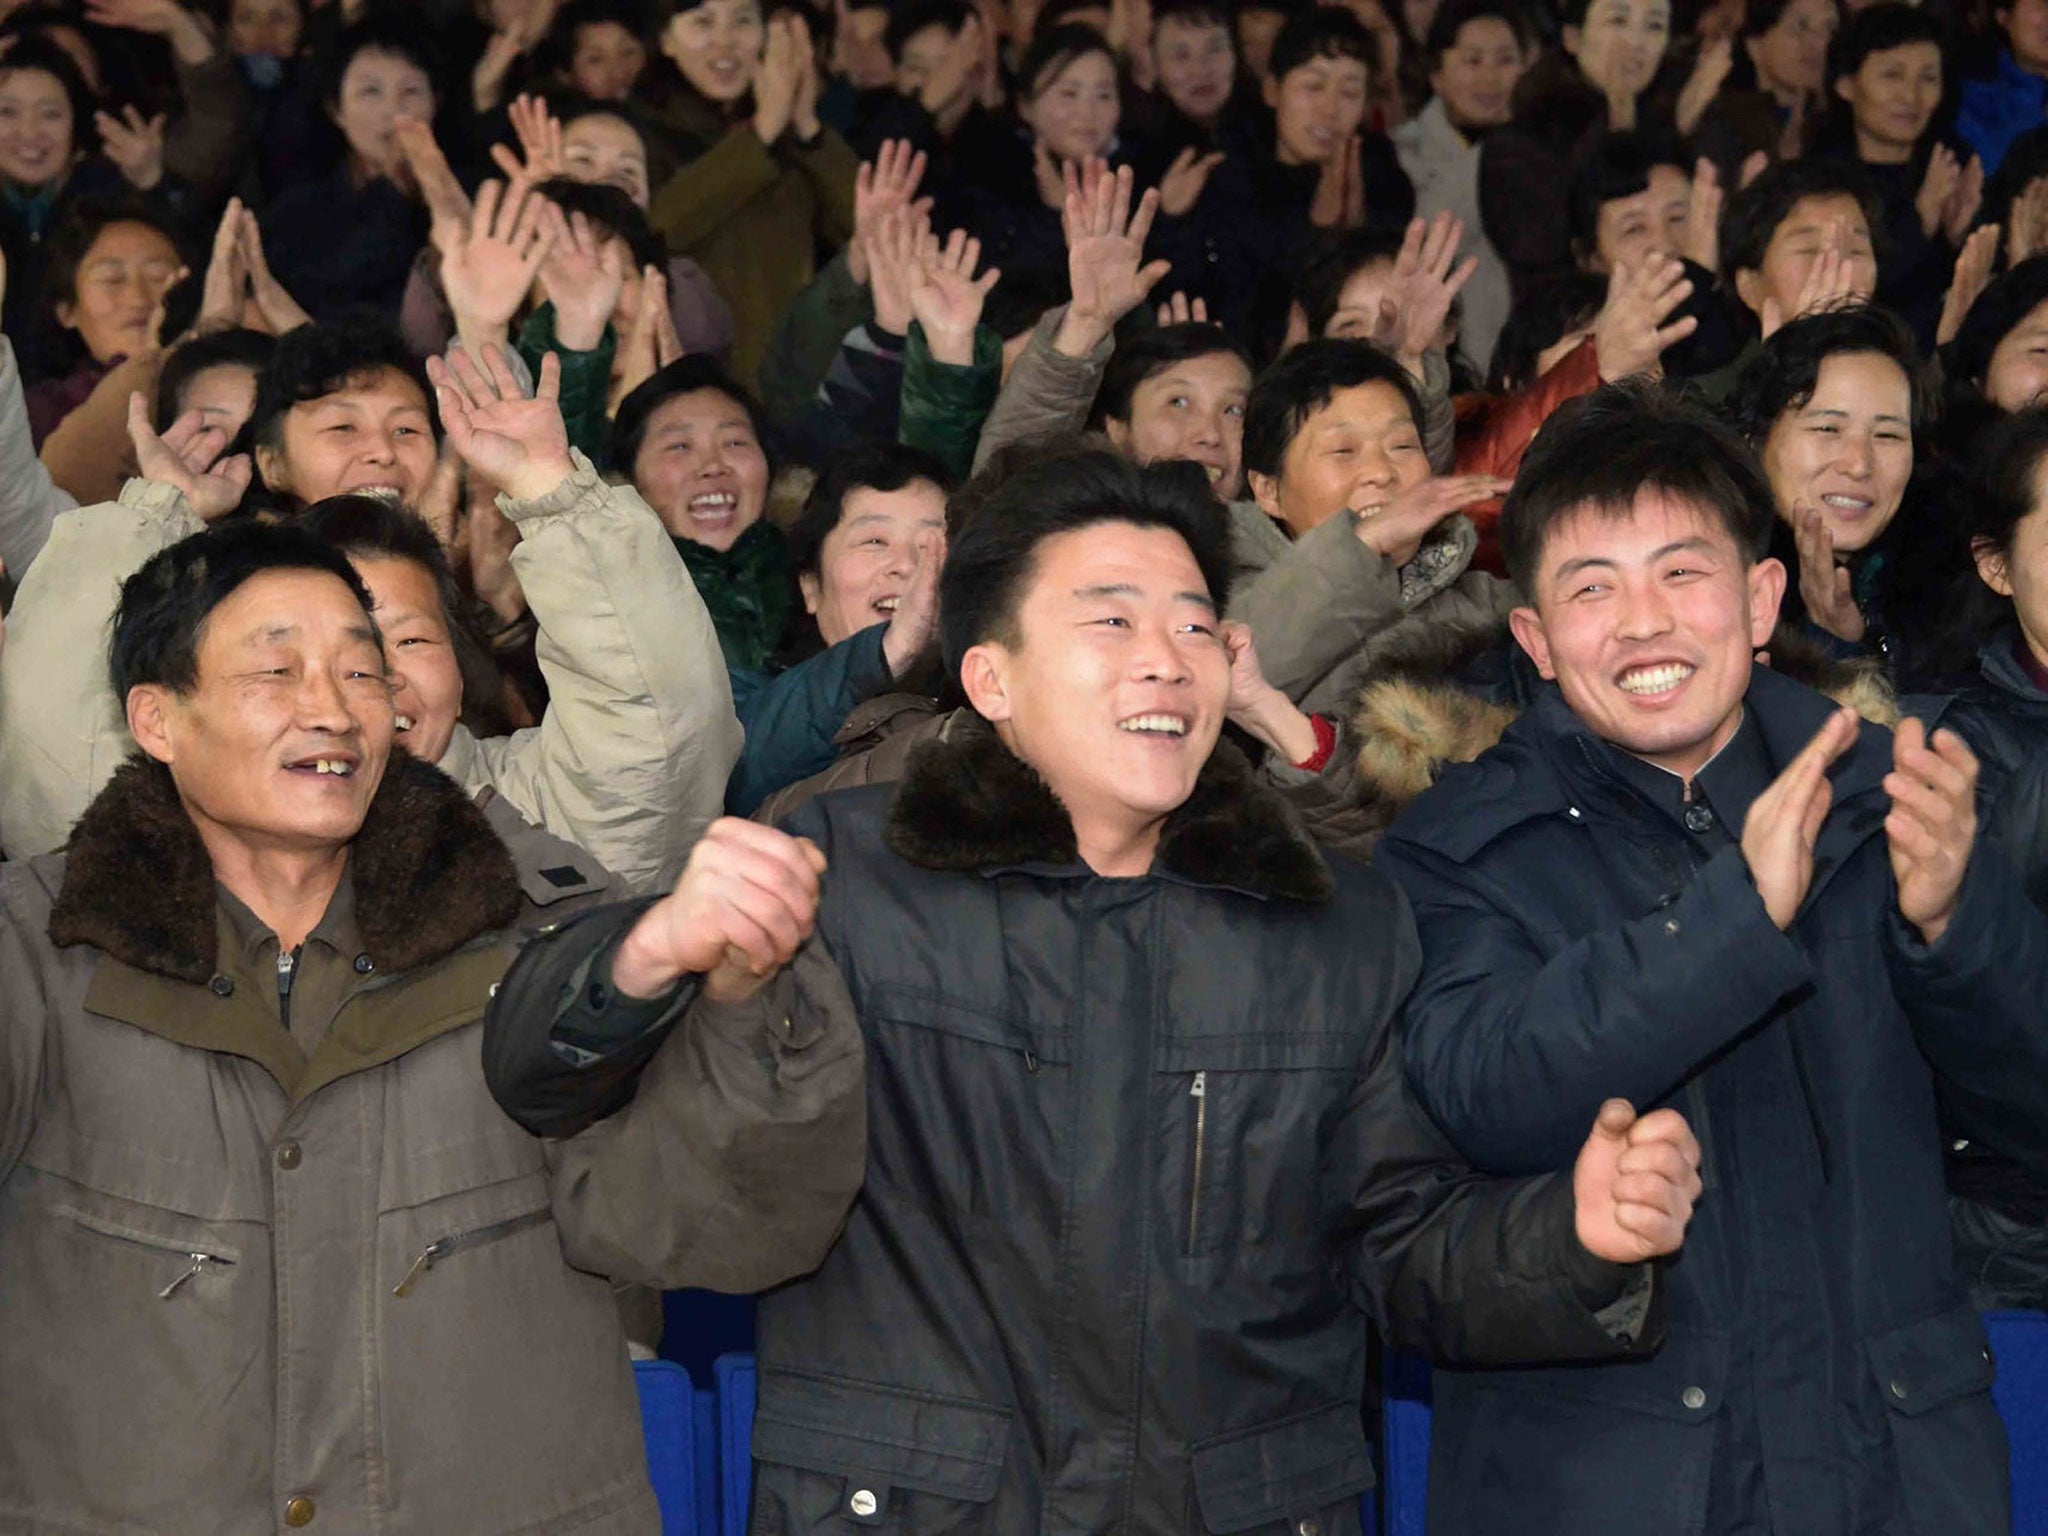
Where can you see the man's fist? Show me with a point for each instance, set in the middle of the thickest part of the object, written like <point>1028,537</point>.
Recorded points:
<point>1635,1183</point>
<point>747,901</point>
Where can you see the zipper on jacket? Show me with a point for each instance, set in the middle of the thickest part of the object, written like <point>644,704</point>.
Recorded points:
<point>1198,1090</point>
<point>198,1262</point>
<point>194,1262</point>
<point>287,969</point>
<point>440,1248</point>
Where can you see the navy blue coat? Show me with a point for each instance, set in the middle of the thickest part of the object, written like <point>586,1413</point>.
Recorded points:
<point>1577,945</point>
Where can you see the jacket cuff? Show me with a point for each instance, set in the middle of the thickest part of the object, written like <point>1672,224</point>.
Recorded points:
<point>1620,1297</point>
<point>159,500</point>
<point>582,487</point>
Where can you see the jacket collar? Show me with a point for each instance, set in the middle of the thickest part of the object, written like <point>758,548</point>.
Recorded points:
<point>967,804</point>
<point>429,875</point>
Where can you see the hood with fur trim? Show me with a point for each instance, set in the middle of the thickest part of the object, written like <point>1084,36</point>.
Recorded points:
<point>967,803</point>
<point>430,875</point>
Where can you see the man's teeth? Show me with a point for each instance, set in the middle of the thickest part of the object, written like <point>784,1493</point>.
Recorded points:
<point>1662,679</point>
<point>333,765</point>
<point>888,604</point>
<point>1214,473</point>
<point>403,722</point>
<point>1163,725</point>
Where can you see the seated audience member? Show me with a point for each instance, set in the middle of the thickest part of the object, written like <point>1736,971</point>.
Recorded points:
<point>1475,52</point>
<point>1998,362</point>
<point>1673,833</point>
<point>2011,98</point>
<point>250,1160</point>
<point>1350,546</point>
<point>1834,404</point>
<point>1179,392</point>
<point>1256,28</point>
<point>1200,93</point>
<point>631,758</point>
<point>1774,90</point>
<point>347,239</point>
<point>764,183</point>
<point>941,63</point>
<point>995,923</point>
<point>594,48</point>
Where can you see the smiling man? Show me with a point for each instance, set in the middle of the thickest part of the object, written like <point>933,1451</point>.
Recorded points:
<point>1139,1151</point>
<point>274,1258</point>
<point>1682,879</point>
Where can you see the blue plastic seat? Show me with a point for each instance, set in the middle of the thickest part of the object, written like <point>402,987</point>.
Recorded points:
<point>668,1424</point>
<point>2019,1344</point>
<point>735,1377</point>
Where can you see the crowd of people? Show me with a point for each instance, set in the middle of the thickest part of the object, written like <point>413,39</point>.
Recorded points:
<point>1124,697</point>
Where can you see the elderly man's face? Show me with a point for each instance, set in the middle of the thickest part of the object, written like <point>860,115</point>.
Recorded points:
<point>284,738</point>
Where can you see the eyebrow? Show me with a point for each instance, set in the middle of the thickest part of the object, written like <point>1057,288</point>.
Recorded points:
<point>1892,416</point>
<point>1676,546</point>
<point>1126,589</point>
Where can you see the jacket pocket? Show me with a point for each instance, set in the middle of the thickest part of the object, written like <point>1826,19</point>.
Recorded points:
<point>1303,1471</point>
<point>186,1258</point>
<point>1935,1375</point>
<point>836,1453</point>
<point>476,1237</point>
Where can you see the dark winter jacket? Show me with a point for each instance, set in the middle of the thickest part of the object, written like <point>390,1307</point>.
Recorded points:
<point>1822,1368</point>
<point>1138,1150</point>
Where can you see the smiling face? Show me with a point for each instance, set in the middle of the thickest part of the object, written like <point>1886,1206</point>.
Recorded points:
<point>124,273</point>
<point>1646,227</point>
<point>1196,64</point>
<point>37,135</point>
<point>1621,44</point>
<point>607,61</point>
<point>1477,75</point>
<point>377,89</point>
<point>1648,622</point>
<point>701,468</point>
<point>717,46</point>
<point>1355,454</point>
<point>1073,108</point>
<point>1791,58</point>
<point>1848,450</point>
<point>1797,243</point>
<point>1316,108</point>
<point>284,737</point>
<point>1892,97</point>
<point>373,436</point>
<point>1191,410</point>
<point>2018,375</point>
<point>605,151</point>
<point>1115,686</point>
<point>865,562</point>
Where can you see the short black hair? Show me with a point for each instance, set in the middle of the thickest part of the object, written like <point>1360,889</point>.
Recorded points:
<point>1321,32</point>
<point>990,562</point>
<point>1151,353</point>
<point>2011,297</point>
<point>1754,212</point>
<point>1613,166</point>
<point>377,528</point>
<point>1054,48</point>
<point>1600,451</point>
<point>233,348</point>
<point>684,376</point>
<point>1782,374</point>
<point>1540,322</point>
<point>72,239</point>
<point>382,28</point>
<point>611,213</point>
<point>165,605</point>
<point>1320,288</point>
<point>315,361</point>
<point>2005,469</point>
<point>876,467</point>
<point>1879,29</point>
<point>556,50</point>
<point>1305,380</point>
<point>1453,16</point>
<point>1201,13</point>
<point>33,50</point>
<point>907,21</point>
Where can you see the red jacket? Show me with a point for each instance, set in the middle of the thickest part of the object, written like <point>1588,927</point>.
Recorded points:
<point>1495,431</point>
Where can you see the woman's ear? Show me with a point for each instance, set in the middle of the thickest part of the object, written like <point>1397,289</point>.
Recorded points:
<point>1992,568</point>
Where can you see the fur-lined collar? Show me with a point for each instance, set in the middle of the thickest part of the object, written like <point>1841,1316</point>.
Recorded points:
<point>429,874</point>
<point>967,803</point>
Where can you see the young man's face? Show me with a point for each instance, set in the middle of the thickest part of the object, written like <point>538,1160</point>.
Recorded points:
<point>1316,108</point>
<point>1477,75</point>
<point>1650,226</point>
<point>1191,410</point>
<point>372,437</point>
<point>1116,688</point>
<point>1811,227</point>
<point>290,686</point>
<point>1648,622</point>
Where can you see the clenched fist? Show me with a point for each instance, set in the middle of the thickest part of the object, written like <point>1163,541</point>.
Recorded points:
<point>746,902</point>
<point>1635,1183</point>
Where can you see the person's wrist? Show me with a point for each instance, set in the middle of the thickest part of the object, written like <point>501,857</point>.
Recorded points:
<point>537,478</point>
<point>767,129</point>
<point>1080,333</point>
<point>639,975</point>
<point>950,345</point>
<point>580,333</point>
<point>189,40</point>
<point>1278,723</point>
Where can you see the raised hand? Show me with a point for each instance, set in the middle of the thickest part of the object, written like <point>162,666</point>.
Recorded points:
<point>2027,222</point>
<point>135,144</point>
<point>1834,277</point>
<point>893,269</point>
<point>1339,201</point>
<point>1105,254</point>
<point>917,608</point>
<point>188,456</point>
<point>1182,185</point>
<point>541,155</point>
<point>519,445</point>
<point>1397,529</point>
<point>946,297</point>
<point>1703,218</point>
<point>583,277</point>
<point>448,206</point>
<point>1630,334</point>
<point>746,902</point>
<point>1933,823</point>
<point>1972,276</point>
<point>224,295</point>
<point>1960,211</point>
<point>1779,832</point>
<point>881,185</point>
<point>803,112</point>
<point>1709,73</point>
<point>1420,292</point>
<point>489,269</point>
<point>650,342</point>
<point>277,309</point>
<point>1824,584</point>
<point>1943,179</point>
<point>159,18</point>
<point>777,81</point>
<point>1179,310</point>
<point>1635,1184</point>
<point>1257,707</point>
